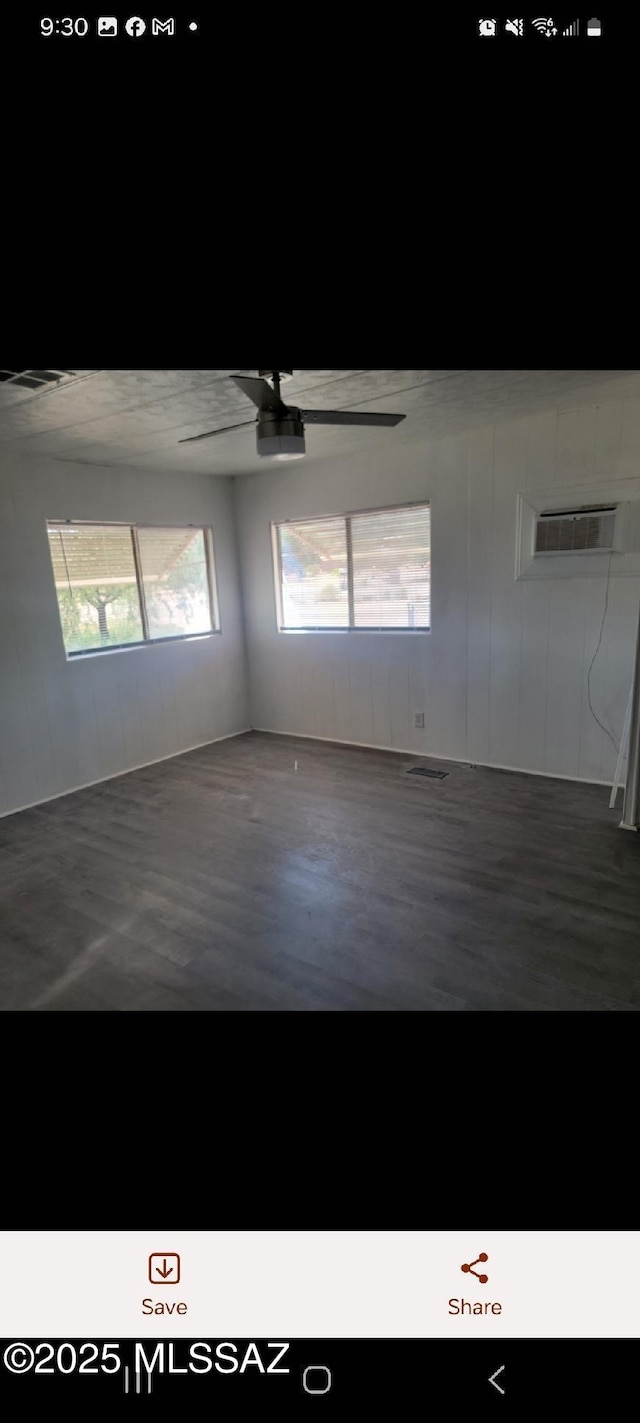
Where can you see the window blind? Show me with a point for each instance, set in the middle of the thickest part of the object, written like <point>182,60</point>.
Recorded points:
<point>313,564</point>
<point>95,576</point>
<point>357,571</point>
<point>85,554</point>
<point>175,580</point>
<point>391,563</point>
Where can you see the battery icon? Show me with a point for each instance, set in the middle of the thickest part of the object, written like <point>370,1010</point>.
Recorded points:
<point>594,27</point>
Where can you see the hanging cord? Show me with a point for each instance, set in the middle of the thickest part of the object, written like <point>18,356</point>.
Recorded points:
<point>64,555</point>
<point>604,614</point>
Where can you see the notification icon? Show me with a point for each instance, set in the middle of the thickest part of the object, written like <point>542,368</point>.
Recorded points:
<point>107,26</point>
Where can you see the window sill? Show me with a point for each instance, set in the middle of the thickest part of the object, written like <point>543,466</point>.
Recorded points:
<point>351,632</point>
<point>136,646</point>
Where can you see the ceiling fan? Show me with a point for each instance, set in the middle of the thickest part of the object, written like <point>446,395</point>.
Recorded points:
<point>280,427</point>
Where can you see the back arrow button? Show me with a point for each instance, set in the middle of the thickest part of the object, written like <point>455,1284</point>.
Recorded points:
<point>494,1377</point>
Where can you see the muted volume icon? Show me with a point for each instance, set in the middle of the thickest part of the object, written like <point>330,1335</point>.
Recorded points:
<point>594,27</point>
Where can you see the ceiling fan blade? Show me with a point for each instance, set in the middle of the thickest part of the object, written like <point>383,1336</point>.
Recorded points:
<point>261,393</point>
<point>222,431</point>
<point>348,417</point>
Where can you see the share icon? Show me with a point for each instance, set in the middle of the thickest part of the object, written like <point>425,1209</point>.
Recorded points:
<point>469,1270</point>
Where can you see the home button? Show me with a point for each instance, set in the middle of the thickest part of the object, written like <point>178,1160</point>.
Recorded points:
<point>316,1379</point>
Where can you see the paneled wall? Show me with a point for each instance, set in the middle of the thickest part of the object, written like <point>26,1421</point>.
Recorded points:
<point>65,724</point>
<point>502,677</point>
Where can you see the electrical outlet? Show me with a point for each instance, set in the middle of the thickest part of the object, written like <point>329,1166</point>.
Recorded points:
<point>418,720</point>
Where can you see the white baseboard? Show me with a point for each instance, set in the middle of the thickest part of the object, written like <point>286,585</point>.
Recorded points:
<point>431,756</point>
<point>102,780</point>
<point>303,736</point>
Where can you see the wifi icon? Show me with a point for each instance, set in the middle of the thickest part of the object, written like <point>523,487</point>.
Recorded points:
<point>544,27</point>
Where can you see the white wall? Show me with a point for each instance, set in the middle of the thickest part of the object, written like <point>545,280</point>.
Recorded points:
<point>502,677</point>
<point>65,724</point>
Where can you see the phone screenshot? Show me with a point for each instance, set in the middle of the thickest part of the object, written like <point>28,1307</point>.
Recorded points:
<point>318,1323</point>
<point>319,708</point>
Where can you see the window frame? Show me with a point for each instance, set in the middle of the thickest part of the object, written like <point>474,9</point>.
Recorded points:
<point>210,564</point>
<point>277,524</point>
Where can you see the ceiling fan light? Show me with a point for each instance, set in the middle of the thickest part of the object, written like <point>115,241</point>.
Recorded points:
<point>281,439</point>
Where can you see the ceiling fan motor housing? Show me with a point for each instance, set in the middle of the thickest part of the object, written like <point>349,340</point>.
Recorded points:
<point>280,437</point>
<point>284,376</point>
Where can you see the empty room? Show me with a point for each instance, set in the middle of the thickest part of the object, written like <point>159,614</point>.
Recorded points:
<point>319,690</point>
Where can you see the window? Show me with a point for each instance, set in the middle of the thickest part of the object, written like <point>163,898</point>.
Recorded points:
<point>119,585</point>
<point>176,583</point>
<point>357,572</point>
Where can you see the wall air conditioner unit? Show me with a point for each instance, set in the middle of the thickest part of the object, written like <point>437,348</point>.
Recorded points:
<point>591,528</point>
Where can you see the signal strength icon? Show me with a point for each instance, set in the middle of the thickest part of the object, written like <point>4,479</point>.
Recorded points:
<point>573,29</point>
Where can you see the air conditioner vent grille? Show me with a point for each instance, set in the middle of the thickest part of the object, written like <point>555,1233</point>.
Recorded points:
<point>575,531</point>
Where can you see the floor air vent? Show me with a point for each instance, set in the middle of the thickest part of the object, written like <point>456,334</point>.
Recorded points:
<point>424,771</point>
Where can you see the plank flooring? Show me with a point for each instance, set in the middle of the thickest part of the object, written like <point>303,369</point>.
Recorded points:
<point>225,880</point>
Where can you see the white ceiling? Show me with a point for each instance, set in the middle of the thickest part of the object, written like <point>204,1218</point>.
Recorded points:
<point>136,418</point>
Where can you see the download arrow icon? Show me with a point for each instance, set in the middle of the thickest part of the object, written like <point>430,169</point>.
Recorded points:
<point>159,1266</point>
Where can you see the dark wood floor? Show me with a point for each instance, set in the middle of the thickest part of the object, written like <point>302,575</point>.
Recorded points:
<point>225,880</point>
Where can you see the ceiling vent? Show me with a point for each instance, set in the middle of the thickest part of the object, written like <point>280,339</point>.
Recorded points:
<point>33,380</point>
<point>589,529</point>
